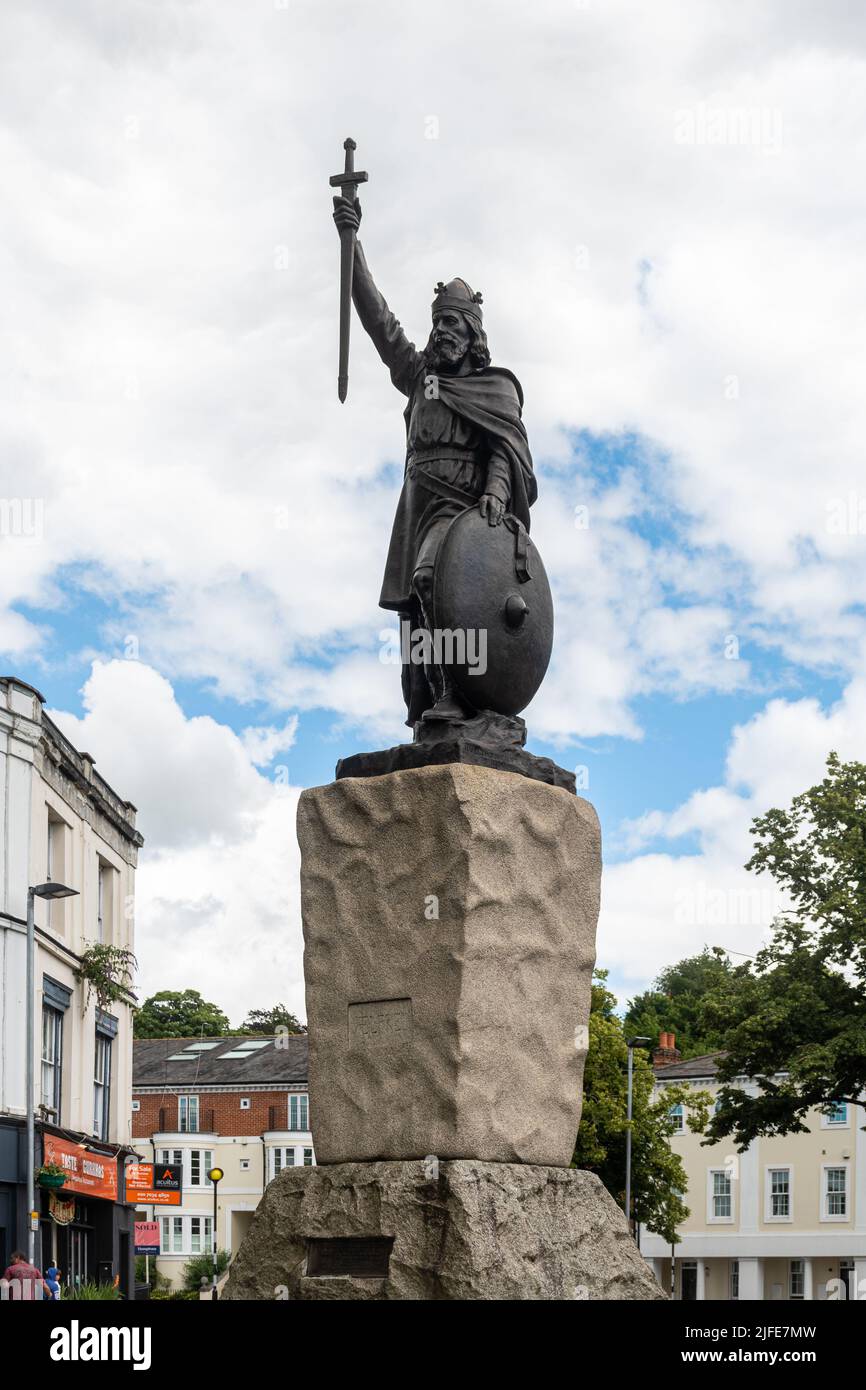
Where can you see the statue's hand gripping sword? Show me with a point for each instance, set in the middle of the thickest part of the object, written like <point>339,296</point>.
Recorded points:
<point>348,182</point>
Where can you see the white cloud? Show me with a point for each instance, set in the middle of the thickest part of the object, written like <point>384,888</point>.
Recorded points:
<point>262,745</point>
<point>217,896</point>
<point>659,906</point>
<point>170,285</point>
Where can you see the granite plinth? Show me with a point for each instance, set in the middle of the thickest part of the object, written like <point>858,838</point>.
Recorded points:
<point>449,920</point>
<point>438,1230</point>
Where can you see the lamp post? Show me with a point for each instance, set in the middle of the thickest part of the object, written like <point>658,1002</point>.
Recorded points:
<point>631,1044</point>
<point>215,1174</point>
<point>50,891</point>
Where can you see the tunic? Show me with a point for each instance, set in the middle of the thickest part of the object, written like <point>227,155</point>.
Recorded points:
<point>465,430</point>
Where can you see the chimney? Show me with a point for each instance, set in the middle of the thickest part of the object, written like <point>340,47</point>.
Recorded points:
<point>667,1050</point>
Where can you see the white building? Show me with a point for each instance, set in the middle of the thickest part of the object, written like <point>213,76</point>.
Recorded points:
<point>784,1220</point>
<point>59,819</point>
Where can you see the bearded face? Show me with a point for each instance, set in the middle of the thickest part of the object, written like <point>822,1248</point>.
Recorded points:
<point>449,341</point>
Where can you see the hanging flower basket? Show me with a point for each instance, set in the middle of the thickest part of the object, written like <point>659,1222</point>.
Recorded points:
<point>51,1175</point>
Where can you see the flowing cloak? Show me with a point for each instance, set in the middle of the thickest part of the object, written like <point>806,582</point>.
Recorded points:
<point>487,402</point>
<point>489,399</point>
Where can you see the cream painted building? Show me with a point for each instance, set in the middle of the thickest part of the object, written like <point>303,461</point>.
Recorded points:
<point>237,1103</point>
<point>784,1220</point>
<point>60,820</point>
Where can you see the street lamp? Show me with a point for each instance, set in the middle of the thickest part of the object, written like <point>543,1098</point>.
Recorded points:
<point>631,1044</point>
<point>215,1174</point>
<point>50,891</point>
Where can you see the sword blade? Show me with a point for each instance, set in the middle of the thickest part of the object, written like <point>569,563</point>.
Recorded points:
<point>347,266</point>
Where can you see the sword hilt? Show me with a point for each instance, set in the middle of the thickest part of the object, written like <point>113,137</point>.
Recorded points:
<point>348,180</point>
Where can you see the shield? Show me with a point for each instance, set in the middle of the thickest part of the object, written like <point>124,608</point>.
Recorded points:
<point>494,623</point>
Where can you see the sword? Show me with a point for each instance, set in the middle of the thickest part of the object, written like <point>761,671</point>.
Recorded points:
<point>348,182</point>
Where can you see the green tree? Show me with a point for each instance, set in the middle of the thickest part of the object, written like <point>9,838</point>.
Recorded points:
<point>658,1176</point>
<point>267,1021</point>
<point>675,1003</point>
<point>179,1014</point>
<point>794,1019</point>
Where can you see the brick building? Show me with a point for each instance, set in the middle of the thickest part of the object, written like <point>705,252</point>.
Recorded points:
<point>237,1103</point>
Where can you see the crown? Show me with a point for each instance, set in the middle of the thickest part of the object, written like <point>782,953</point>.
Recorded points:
<point>459,296</point>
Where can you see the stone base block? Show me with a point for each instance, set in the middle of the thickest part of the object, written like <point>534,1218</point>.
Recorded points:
<point>439,1230</point>
<point>449,929</point>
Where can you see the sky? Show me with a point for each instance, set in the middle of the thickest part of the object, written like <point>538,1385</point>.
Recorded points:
<point>663,207</point>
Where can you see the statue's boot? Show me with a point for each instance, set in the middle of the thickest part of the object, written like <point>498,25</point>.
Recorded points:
<point>449,705</point>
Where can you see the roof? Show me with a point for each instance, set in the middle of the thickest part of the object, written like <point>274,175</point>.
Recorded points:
<point>695,1066</point>
<point>174,1062</point>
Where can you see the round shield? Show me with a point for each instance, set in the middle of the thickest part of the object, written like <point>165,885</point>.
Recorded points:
<point>494,625</point>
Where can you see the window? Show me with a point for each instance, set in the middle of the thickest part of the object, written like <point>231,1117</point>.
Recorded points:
<point>55,867</point>
<point>174,1156</point>
<point>136,1105</point>
<point>308,1157</point>
<point>172,1235</point>
<point>187,1114</point>
<point>186,1235</point>
<point>200,1164</point>
<point>778,1195</point>
<point>735,1280</point>
<point>245,1165</point>
<point>720,1202</point>
<point>101,1085</point>
<point>676,1114</point>
<point>298,1113</point>
<point>796,1280</point>
<point>52,1058</point>
<point>834,1205</point>
<point>836,1117</point>
<point>245,1104</point>
<point>200,1240</point>
<point>104,906</point>
<point>280,1159</point>
<point>55,845</point>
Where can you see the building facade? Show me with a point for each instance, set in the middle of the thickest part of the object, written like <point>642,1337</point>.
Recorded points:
<point>784,1220</point>
<point>236,1103</point>
<point>60,820</point>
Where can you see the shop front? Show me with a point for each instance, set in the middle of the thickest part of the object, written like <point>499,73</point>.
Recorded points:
<point>86,1228</point>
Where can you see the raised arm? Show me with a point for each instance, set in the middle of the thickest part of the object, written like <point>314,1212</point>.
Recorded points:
<point>401,357</point>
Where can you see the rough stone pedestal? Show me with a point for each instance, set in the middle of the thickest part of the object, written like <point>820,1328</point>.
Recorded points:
<point>449,927</point>
<point>461,1230</point>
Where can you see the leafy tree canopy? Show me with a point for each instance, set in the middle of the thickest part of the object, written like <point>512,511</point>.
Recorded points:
<point>179,1014</point>
<point>269,1021</point>
<point>674,1003</point>
<point>794,1019</point>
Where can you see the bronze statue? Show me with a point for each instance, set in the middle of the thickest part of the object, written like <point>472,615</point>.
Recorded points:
<point>460,557</point>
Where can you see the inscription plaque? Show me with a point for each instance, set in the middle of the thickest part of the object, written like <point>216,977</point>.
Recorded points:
<point>380,1024</point>
<point>360,1257</point>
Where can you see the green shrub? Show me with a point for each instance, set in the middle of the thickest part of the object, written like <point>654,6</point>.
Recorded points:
<point>201,1267</point>
<point>93,1290</point>
<point>156,1280</point>
<point>186,1295</point>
